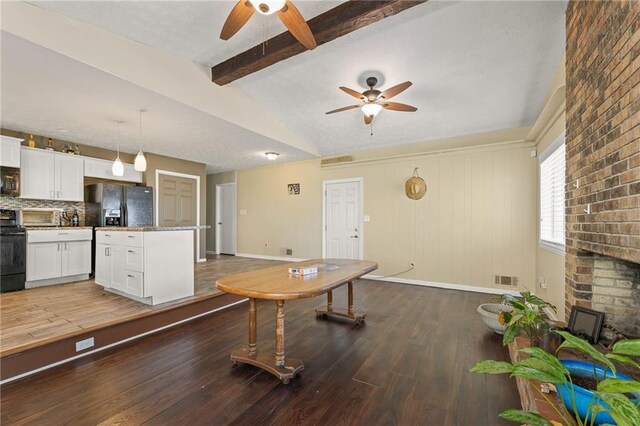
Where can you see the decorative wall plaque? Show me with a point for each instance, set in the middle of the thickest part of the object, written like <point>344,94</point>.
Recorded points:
<point>294,188</point>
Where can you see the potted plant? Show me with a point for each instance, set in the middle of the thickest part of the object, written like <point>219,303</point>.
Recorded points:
<point>616,397</point>
<point>527,315</point>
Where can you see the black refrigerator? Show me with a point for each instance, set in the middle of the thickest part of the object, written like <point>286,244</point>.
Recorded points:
<point>110,204</point>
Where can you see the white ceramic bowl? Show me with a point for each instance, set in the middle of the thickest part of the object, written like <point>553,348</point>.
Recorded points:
<point>489,314</point>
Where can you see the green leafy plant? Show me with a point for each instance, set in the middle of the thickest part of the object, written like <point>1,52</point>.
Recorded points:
<point>527,315</point>
<point>546,367</point>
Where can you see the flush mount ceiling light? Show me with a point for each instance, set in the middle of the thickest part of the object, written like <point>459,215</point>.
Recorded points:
<point>269,7</point>
<point>271,156</point>
<point>141,163</point>
<point>118,168</point>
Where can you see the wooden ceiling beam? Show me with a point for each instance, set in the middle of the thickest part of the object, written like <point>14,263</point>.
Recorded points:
<point>334,23</point>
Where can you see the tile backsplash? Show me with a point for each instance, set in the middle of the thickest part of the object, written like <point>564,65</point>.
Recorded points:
<point>15,203</point>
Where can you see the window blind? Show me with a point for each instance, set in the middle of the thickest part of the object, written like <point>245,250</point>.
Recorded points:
<point>552,183</point>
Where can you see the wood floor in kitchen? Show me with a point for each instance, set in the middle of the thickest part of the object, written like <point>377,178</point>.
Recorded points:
<point>36,316</point>
<point>408,365</point>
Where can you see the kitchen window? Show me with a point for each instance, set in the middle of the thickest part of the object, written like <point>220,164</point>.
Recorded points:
<point>552,186</point>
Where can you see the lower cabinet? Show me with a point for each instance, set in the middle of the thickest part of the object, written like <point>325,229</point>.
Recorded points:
<point>119,266</point>
<point>54,255</point>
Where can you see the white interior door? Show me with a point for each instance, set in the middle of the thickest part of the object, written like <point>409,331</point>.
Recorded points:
<point>226,218</point>
<point>342,220</point>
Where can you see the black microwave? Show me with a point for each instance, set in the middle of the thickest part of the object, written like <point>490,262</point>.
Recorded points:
<point>10,181</point>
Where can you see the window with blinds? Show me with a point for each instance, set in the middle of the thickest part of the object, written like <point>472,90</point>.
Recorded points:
<point>552,183</point>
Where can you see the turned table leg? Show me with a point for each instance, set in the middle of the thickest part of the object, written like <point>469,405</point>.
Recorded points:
<point>253,325</point>
<point>358,318</point>
<point>279,333</point>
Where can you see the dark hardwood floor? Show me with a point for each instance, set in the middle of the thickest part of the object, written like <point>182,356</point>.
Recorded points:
<point>408,365</point>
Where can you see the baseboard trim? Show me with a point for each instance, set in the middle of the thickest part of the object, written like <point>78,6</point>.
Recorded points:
<point>116,343</point>
<point>204,259</point>
<point>211,252</point>
<point>447,286</point>
<point>265,257</point>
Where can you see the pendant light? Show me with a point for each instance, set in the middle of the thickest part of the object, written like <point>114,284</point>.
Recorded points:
<point>118,168</point>
<point>141,163</point>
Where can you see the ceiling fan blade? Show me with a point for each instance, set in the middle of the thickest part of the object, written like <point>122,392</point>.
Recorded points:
<point>239,16</point>
<point>343,109</point>
<point>395,106</point>
<point>352,92</point>
<point>392,91</point>
<point>297,26</point>
<point>368,119</point>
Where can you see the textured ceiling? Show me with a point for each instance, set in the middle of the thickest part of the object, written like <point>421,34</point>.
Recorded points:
<point>190,29</point>
<point>85,102</point>
<point>476,66</point>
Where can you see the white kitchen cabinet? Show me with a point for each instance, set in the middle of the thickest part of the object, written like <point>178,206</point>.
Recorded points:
<point>150,267</point>
<point>10,151</point>
<point>69,177</point>
<point>76,258</point>
<point>58,256</point>
<point>43,261</point>
<point>50,175</point>
<point>97,168</point>
<point>37,174</point>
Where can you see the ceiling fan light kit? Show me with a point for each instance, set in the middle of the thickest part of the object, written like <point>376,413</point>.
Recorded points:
<point>269,7</point>
<point>287,12</point>
<point>375,100</point>
<point>271,156</point>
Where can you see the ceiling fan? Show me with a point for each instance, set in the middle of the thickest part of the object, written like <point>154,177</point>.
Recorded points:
<point>287,12</point>
<point>374,100</point>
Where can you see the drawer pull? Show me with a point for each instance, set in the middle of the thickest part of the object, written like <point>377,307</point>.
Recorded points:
<point>131,251</point>
<point>63,233</point>
<point>107,235</point>
<point>131,236</point>
<point>131,276</point>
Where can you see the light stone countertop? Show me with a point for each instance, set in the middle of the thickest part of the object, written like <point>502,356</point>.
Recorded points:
<point>55,228</point>
<point>152,228</point>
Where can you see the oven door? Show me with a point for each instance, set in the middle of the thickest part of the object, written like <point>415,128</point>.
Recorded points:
<point>13,253</point>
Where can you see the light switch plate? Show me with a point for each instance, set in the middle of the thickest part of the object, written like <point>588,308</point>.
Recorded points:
<point>366,218</point>
<point>243,212</point>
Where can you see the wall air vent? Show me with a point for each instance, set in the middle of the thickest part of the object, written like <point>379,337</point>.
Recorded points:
<point>336,160</point>
<point>505,280</point>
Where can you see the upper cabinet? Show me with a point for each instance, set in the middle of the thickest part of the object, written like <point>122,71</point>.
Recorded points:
<point>49,175</point>
<point>9,151</point>
<point>94,167</point>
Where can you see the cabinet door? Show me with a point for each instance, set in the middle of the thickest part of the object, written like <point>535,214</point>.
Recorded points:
<point>76,258</point>
<point>43,261</point>
<point>117,274</point>
<point>103,265</point>
<point>37,174</point>
<point>69,171</point>
<point>9,151</point>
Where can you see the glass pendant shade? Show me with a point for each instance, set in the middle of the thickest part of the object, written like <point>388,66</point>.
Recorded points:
<point>371,109</point>
<point>268,7</point>
<point>118,168</point>
<point>271,156</point>
<point>141,163</point>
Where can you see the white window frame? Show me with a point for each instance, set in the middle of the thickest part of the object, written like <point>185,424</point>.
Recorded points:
<point>553,246</point>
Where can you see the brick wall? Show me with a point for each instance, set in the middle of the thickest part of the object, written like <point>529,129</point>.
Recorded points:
<point>602,141</point>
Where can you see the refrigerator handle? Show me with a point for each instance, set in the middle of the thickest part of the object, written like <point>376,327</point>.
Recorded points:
<point>123,214</point>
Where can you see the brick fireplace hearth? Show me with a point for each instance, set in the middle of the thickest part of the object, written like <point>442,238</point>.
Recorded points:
<point>603,160</point>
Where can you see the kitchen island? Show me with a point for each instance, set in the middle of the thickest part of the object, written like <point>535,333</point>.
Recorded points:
<point>150,264</point>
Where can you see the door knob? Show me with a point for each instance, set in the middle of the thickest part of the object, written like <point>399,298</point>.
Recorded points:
<point>219,223</point>
<point>354,236</point>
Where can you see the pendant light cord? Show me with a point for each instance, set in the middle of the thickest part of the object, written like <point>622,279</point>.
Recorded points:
<point>118,140</point>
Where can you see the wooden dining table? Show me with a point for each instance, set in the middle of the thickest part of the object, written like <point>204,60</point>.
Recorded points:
<point>276,283</point>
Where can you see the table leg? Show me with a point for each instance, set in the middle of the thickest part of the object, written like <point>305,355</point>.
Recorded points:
<point>253,325</point>
<point>350,314</point>
<point>279,355</point>
<point>276,364</point>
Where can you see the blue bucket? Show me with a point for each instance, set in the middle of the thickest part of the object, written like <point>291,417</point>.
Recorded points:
<point>584,396</point>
